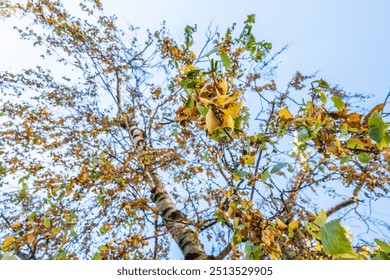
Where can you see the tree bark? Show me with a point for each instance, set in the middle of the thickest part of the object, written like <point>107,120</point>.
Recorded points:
<point>175,221</point>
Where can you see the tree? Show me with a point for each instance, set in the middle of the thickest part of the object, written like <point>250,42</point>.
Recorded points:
<point>145,141</point>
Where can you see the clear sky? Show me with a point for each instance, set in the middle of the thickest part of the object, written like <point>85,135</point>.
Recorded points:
<point>348,41</point>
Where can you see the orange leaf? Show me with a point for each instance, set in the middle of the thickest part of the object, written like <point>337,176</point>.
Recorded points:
<point>377,108</point>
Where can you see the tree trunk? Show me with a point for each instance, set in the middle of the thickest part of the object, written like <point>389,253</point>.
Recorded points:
<point>175,221</point>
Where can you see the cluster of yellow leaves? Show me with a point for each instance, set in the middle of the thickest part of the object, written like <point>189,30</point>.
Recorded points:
<point>212,104</point>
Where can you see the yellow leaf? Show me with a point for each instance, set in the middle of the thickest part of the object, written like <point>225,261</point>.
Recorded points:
<point>189,114</point>
<point>231,211</point>
<point>7,243</point>
<point>249,160</point>
<point>285,114</point>
<point>228,122</point>
<point>212,122</point>
<point>236,178</point>
<point>205,101</point>
<point>187,68</point>
<point>222,86</point>
<point>207,90</point>
<point>236,221</point>
<point>293,225</point>
<point>280,224</point>
<point>266,240</point>
<point>16,226</point>
<point>223,100</point>
<point>233,110</point>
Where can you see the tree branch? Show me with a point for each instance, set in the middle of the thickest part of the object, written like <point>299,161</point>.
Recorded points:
<point>224,252</point>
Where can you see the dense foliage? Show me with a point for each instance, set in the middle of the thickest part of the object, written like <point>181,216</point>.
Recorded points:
<point>125,139</point>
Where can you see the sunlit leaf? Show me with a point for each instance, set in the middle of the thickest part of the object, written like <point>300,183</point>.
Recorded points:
<point>285,114</point>
<point>251,18</point>
<point>46,222</point>
<point>265,175</point>
<point>190,102</point>
<point>385,246</point>
<point>102,248</point>
<point>252,251</point>
<point>7,243</point>
<point>223,86</point>
<point>226,61</point>
<point>203,110</point>
<point>381,256</point>
<point>344,159</point>
<point>334,239</point>
<point>227,122</point>
<point>338,102</point>
<point>364,157</point>
<point>322,84</point>
<point>320,218</point>
<point>303,135</point>
<point>96,256</point>
<point>378,108</point>
<point>211,122</point>
<point>187,68</point>
<point>280,225</point>
<point>249,160</point>
<point>323,97</point>
<point>233,110</point>
<point>377,128</point>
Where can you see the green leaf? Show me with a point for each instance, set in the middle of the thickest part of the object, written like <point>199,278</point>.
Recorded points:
<point>364,157</point>
<point>322,84</point>
<point>338,103</point>
<point>251,18</point>
<point>97,256</point>
<point>56,230</point>
<point>190,102</point>
<point>385,247</point>
<point>303,135</point>
<point>212,51</point>
<point>46,222</point>
<point>265,176</point>
<point>240,173</point>
<point>381,256</point>
<point>334,239</point>
<point>377,127</point>
<point>321,218</point>
<point>203,110</point>
<point>102,229</point>
<point>323,97</point>
<point>354,145</point>
<point>278,167</point>
<point>344,159</point>
<point>385,142</point>
<point>312,229</point>
<point>62,255</point>
<point>97,161</point>
<point>252,251</point>
<point>8,257</point>
<point>102,247</point>
<point>226,61</point>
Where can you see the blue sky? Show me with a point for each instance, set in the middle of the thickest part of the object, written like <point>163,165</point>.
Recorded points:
<point>348,42</point>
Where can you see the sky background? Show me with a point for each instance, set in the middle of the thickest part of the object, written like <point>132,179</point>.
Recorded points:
<point>348,42</point>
